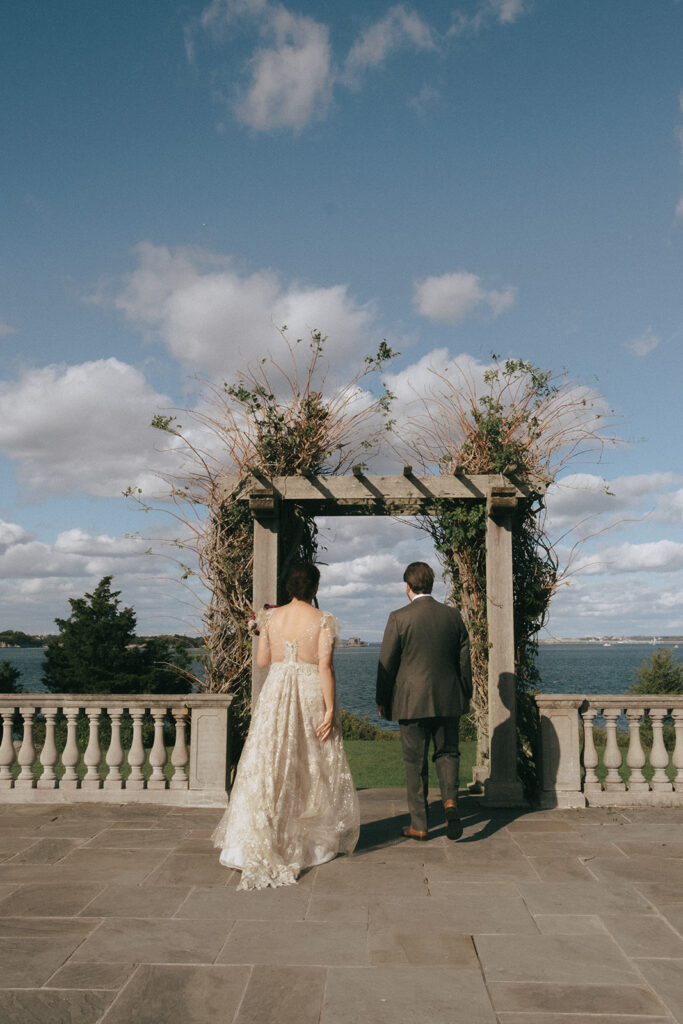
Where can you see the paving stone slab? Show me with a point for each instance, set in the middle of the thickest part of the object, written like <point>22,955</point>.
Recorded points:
<point>294,942</point>
<point>661,894</point>
<point>14,841</point>
<point>45,1007</point>
<point>561,869</point>
<point>650,847</point>
<point>286,995</point>
<point>130,866</point>
<point>27,962</point>
<point>349,910</point>
<point>666,977</point>
<point>394,995</point>
<point>137,901</point>
<point>533,844</point>
<point>532,997</point>
<point>356,874</point>
<point>134,839</point>
<point>35,900</point>
<point>639,869</point>
<point>556,959</point>
<point>535,823</point>
<point>438,947</point>
<point>46,851</point>
<point>87,976</point>
<point>569,924</point>
<point>644,936</point>
<point>581,898</point>
<point>190,869</point>
<point>286,903</point>
<point>125,939</point>
<point>468,863</point>
<point>43,927</point>
<point>180,995</point>
<point>451,909</point>
<point>674,915</point>
<point>576,1018</point>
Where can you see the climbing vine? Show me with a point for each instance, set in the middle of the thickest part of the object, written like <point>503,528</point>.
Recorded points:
<point>521,422</point>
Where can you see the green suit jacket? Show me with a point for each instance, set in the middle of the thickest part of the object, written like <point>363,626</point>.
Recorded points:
<point>424,665</point>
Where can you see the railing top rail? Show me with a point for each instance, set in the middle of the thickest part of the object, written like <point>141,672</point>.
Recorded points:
<point>609,700</point>
<point>126,700</point>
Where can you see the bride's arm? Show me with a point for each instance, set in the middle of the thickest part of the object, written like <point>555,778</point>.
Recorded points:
<point>263,643</point>
<point>328,687</point>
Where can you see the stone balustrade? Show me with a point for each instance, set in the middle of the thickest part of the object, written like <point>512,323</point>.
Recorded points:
<point>569,767</point>
<point>195,773</point>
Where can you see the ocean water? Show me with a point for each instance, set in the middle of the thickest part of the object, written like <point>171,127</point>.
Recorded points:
<point>564,668</point>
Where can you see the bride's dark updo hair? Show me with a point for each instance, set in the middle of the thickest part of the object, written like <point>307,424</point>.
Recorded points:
<point>302,581</point>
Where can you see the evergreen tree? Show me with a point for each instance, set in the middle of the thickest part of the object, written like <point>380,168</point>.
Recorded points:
<point>96,651</point>
<point>661,673</point>
<point>9,676</point>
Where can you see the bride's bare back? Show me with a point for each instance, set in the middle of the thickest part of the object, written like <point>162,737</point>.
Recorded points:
<point>312,632</point>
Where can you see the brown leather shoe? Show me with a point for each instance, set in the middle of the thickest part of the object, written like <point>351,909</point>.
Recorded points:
<point>412,833</point>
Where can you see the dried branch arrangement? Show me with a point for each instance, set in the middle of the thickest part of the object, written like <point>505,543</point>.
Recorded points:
<point>275,420</point>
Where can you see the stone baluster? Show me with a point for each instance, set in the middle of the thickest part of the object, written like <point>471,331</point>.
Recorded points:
<point>635,757</point>
<point>659,756</point>
<point>590,754</point>
<point>677,758</point>
<point>136,754</point>
<point>27,752</point>
<point>48,755</point>
<point>6,749</point>
<point>180,755</point>
<point>613,780</point>
<point>93,754</point>
<point>157,755</point>
<point>114,756</point>
<point>70,753</point>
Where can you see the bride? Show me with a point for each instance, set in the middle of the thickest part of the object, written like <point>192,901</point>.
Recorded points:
<point>293,804</point>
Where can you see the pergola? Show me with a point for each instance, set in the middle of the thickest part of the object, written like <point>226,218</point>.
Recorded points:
<point>408,494</point>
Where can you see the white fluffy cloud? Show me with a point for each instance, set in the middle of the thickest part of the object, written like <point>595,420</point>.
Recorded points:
<point>644,344</point>
<point>580,496</point>
<point>38,576</point>
<point>292,72</point>
<point>489,12</point>
<point>291,81</point>
<point>451,298</point>
<point>81,428</point>
<point>398,29</point>
<point>215,318</point>
<point>652,556</point>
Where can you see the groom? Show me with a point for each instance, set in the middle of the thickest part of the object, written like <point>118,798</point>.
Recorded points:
<point>424,680</point>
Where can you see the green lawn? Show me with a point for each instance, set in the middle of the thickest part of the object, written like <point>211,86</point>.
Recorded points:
<point>374,764</point>
<point>379,764</point>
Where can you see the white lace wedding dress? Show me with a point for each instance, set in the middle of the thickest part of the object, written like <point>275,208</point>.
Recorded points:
<point>293,804</point>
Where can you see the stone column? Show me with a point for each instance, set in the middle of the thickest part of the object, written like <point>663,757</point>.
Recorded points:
<point>502,788</point>
<point>264,508</point>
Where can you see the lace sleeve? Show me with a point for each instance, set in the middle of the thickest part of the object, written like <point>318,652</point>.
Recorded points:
<point>329,634</point>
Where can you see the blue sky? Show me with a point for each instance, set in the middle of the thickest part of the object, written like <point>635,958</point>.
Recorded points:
<point>459,178</point>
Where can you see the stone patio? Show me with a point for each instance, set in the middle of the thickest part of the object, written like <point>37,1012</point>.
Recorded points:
<point>122,914</point>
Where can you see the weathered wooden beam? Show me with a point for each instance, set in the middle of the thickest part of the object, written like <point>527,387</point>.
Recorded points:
<point>368,492</point>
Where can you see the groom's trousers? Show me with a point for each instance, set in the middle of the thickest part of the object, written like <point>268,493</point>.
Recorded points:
<point>416,735</point>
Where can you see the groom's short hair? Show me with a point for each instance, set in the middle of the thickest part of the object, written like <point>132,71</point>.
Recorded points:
<point>420,577</point>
